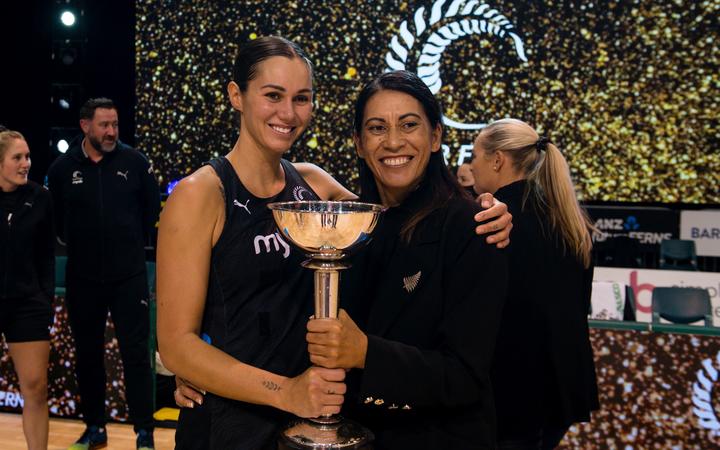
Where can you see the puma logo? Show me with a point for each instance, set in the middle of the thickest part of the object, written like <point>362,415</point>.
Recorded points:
<point>124,175</point>
<point>245,207</point>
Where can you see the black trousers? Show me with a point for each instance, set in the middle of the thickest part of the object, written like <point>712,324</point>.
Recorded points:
<point>88,303</point>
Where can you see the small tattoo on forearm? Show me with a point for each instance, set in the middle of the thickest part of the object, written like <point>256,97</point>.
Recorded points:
<point>271,386</point>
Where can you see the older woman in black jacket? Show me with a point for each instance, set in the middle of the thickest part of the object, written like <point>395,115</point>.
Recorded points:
<point>543,374</point>
<point>27,274</point>
<point>427,293</point>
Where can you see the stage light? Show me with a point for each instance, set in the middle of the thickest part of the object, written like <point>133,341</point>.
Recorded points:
<point>67,18</point>
<point>61,137</point>
<point>62,146</point>
<point>64,104</point>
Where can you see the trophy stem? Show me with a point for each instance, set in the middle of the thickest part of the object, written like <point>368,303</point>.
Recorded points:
<point>327,282</point>
<point>326,293</point>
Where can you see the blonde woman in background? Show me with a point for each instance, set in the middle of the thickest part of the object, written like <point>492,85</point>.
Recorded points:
<point>544,374</point>
<point>27,267</point>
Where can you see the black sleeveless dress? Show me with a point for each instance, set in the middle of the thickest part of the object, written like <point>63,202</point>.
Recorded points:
<point>258,302</point>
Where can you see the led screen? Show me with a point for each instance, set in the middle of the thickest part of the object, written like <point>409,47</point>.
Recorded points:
<point>627,89</point>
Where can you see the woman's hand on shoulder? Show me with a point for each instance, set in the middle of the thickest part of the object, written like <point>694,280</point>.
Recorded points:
<point>327,187</point>
<point>495,219</point>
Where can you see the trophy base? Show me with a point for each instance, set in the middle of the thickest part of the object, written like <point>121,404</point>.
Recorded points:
<point>311,434</point>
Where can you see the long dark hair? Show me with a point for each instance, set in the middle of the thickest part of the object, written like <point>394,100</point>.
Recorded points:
<point>442,184</point>
<point>251,54</point>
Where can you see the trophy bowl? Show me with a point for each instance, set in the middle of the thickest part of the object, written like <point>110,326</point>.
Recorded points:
<point>326,230</point>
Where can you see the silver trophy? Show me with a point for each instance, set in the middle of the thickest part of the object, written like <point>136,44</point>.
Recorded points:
<point>327,232</point>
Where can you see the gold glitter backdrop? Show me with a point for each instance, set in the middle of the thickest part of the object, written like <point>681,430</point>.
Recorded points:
<point>629,90</point>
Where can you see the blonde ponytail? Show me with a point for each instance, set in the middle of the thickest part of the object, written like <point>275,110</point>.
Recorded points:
<point>564,211</point>
<point>548,180</point>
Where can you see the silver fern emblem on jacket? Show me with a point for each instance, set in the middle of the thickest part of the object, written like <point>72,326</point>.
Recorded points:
<point>411,282</point>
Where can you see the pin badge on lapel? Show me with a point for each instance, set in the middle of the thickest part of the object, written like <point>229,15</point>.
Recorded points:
<point>411,282</point>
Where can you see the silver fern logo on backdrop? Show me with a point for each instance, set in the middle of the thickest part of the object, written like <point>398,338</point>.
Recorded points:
<point>421,41</point>
<point>704,397</point>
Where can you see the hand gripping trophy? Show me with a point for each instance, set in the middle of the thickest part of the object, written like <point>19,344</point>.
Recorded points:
<point>327,231</point>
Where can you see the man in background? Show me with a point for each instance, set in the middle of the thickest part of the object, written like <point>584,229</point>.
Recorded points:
<point>107,202</point>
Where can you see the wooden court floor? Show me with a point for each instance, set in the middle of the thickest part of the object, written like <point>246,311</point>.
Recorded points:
<point>63,432</point>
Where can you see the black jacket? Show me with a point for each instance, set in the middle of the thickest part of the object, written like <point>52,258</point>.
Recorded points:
<point>544,373</point>
<point>104,211</point>
<point>432,309</point>
<point>27,253</point>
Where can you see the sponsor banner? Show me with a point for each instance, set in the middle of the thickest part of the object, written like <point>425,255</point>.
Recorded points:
<point>10,399</point>
<point>649,226</point>
<point>703,227</point>
<point>643,281</point>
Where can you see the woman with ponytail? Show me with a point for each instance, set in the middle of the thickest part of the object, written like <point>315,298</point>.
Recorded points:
<point>543,374</point>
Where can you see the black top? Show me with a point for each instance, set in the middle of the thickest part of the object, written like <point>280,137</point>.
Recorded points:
<point>258,302</point>
<point>105,211</point>
<point>432,309</point>
<point>544,373</point>
<point>10,201</point>
<point>27,253</point>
